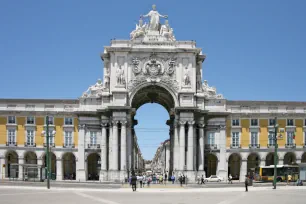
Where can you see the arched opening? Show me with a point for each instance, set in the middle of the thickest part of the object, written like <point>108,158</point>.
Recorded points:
<point>30,170</point>
<point>289,158</point>
<point>253,163</point>
<point>303,160</point>
<point>30,158</point>
<point>11,161</point>
<point>53,165</point>
<point>270,159</point>
<point>93,166</point>
<point>211,162</point>
<point>153,127</point>
<point>234,163</point>
<point>69,166</point>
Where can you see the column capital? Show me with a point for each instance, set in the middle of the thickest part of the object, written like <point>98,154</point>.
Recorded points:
<point>201,125</point>
<point>182,122</point>
<point>222,127</point>
<point>82,126</point>
<point>104,124</point>
<point>191,122</point>
<point>115,122</point>
<point>123,122</point>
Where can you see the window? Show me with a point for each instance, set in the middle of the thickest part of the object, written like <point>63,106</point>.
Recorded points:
<point>271,122</point>
<point>50,121</point>
<point>30,120</point>
<point>290,122</point>
<point>211,138</point>
<point>30,137</point>
<point>11,120</point>
<point>235,122</point>
<point>290,138</point>
<point>254,138</point>
<point>235,139</point>
<point>11,136</point>
<point>68,138</point>
<point>254,122</point>
<point>68,121</point>
<point>271,139</point>
<point>93,138</point>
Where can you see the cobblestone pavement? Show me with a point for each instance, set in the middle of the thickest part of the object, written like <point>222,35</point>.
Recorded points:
<point>35,195</point>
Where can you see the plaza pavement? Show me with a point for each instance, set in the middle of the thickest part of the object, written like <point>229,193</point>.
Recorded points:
<point>39,195</point>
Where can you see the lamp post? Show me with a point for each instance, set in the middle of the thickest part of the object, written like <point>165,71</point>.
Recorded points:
<point>275,152</point>
<point>48,160</point>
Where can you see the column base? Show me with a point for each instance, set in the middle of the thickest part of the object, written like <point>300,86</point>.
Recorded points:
<point>81,175</point>
<point>191,175</point>
<point>223,174</point>
<point>114,175</point>
<point>200,173</point>
<point>103,175</point>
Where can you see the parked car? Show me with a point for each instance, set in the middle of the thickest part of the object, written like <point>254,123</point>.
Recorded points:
<point>214,178</point>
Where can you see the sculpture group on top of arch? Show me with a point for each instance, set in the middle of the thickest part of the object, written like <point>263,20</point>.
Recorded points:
<point>154,27</point>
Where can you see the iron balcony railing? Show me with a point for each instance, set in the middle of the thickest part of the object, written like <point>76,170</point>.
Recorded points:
<point>94,146</point>
<point>69,145</point>
<point>29,144</point>
<point>11,144</point>
<point>50,145</point>
<point>290,145</point>
<point>235,146</point>
<point>270,145</point>
<point>254,146</point>
<point>211,146</point>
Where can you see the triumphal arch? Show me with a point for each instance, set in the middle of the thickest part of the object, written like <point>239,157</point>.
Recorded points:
<point>152,67</point>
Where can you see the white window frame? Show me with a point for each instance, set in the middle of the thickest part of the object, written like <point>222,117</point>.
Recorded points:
<point>254,125</point>
<point>209,139</point>
<point>51,137</point>
<point>269,122</point>
<point>34,121</point>
<point>271,139</point>
<point>49,119</point>
<point>90,138</point>
<point>239,138</point>
<point>8,119</point>
<point>71,142</point>
<point>237,119</point>
<point>26,136</point>
<point>257,142</point>
<point>287,137</point>
<point>8,136</point>
<point>72,120</point>
<point>290,125</point>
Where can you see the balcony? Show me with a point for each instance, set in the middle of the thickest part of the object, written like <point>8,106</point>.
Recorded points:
<point>50,145</point>
<point>211,146</point>
<point>290,146</point>
<point>11,144</point>
<point>29,144</point>
<point>69,145</point>
<point>270,145</point>
<point>93,146</point>
<point>235,146</point>
<point>254,146</point>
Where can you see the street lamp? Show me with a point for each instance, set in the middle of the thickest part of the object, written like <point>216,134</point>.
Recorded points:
<point>48,160</point>
<point>275,152</point>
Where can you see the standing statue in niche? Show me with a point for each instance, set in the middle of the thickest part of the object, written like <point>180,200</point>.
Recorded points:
<point>106,78</point>
<point>186,77</point>
<point>154,19</point>
<point>120,75</point>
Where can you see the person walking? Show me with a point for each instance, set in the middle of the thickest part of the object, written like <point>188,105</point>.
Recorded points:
<point>230,179</point>
<point>134,181</point>
<point>198,179</point>
<point>202,179</point>
<point>246,183</point>
<point>289,179</point>
<point>172,179</point>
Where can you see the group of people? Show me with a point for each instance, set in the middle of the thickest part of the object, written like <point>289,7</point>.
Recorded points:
<point>201,180</point>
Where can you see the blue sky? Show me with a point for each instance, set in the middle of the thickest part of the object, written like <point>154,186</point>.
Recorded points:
<point>255,49</point>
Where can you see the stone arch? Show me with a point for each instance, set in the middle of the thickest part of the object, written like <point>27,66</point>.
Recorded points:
<point>69,166</point>
<point>30,157</point>
<point>151,92</point>
<point>211,164</point>
<point>303,158</point>
<point>11,163</point>
<point>253,162</point>
<point>53,164</point>
<point>290,158</point>
<point>270,158</point>
<point>234,164</point>
<point>93,166</point>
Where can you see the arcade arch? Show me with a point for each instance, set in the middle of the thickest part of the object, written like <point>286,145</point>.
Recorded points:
<point>211,163</point>
<point>53,164</point>
<point>93,166</point>
<point>30,158</point>
<point>270,159</point>
<point>253,162</point>
<point>289,158</point>
<point>11,158</point>
<point>234,164</point>
<point>69,166</point>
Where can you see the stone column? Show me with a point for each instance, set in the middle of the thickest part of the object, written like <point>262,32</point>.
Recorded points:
<point>103,148</point>
<point>243,170</point>
<point>167,157</point>
<point>2,170</point>
<point>115,146</point>
<point>110,147</point>
<point>190,146</point>
<point>59,170</point>
<point>20,168</point>
<point>80,165</point>
<point>123,166</point>
<point>201,147</point>
<point>182,145</point>
<point>222,166</point>
<point>41,168</point>
<point>176,147</point>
